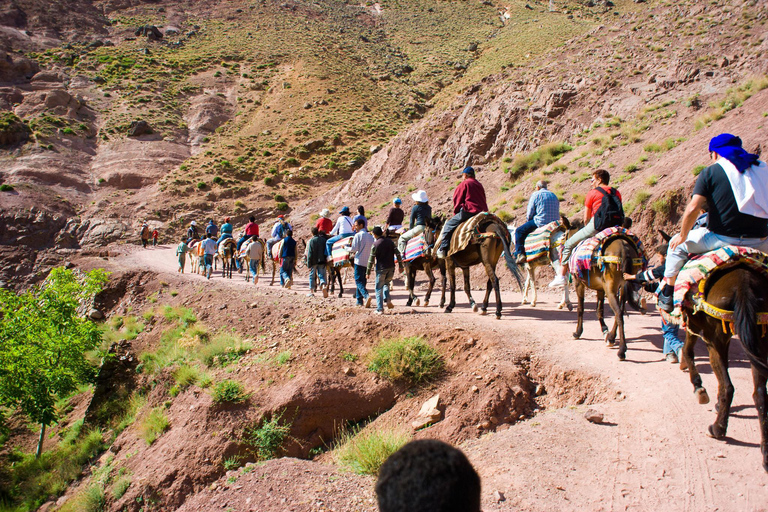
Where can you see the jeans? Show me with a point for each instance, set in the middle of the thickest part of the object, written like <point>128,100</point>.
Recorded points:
<point>701,240</point>
<point>450,227</point>
<point>144,242</point>
<point>223,237</point>
<point>521,233</point>
<point>208,260</point>
<point>671,341</point>
<point>286,270</point>
<point>360,282</point>
<point>582,234</point>
<point>319,271</point>
<point>383,279</point>
<point>254,266</point>
<point>270,243</point>
<point>403,240</point>
<point>329,243</point>
<point>154,242</point>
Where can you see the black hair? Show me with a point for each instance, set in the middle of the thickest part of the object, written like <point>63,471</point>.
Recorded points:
<point>361,210</point>
<point>428,475</point>
<point>184,239</point>
<point>314,231</point>
<point>627,223</point>
<point>361,222</point>
<point>377,231</point>
<point>289,232</point>
<point>252,218</point>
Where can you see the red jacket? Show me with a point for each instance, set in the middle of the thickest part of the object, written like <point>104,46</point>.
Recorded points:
<point>252,229</point>
<point>324,225</point>
<point>469,195</point>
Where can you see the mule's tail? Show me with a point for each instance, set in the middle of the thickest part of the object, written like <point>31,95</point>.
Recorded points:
<point>511,264</point>
<point>631,288</point>
<point>745,320</point>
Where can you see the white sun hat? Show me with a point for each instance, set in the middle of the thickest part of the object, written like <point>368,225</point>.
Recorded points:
<point>420,196</point>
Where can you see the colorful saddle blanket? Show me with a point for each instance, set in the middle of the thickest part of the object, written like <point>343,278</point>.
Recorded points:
<point>415,248</point>
<point>588,254</point>
<point>691,281</point>
<point>340,252</point>
<point>469,232</point>
<point>276,250</point>
<point>538,243</point>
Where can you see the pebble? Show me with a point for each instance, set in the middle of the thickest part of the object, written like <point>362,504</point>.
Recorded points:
<point>593,416</point>
<point>253,305</point>
<point>498,496</point>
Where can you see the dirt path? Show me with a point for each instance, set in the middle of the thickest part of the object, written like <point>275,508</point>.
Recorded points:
<point>651,454</point>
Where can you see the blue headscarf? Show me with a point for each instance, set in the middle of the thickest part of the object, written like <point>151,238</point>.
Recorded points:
<point>729,147</point>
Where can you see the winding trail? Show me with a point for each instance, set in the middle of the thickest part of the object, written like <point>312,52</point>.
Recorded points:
<point>651,453</point>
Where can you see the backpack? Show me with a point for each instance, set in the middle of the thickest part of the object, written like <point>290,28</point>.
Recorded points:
<point>144,233</point>
<point>610,213</point>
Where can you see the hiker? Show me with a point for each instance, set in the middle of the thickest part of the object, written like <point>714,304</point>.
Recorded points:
<point>421,213</point>
<point>342,229</point>
<point>211,229</point>
<point>155,235</point>
<point>395,216</point>
<point>226,231</point>
<point>192,232</point>
<point>600,197</point>
<point>735,189</point>
<point>427,475</point>
<point>543,208</point>
<point>324,223</point>
<point>209,251</point>
<point>316,262</point>
<point>288,256</point>
<point>278,233</point>
<point>361,247</point>
<point>468,201</point>
<point>144,233</point>
<point>181,252</point>
<point>383,253</point>
<point>361,216</point>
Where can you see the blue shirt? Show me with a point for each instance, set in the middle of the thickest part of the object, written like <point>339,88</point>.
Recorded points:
<point>211,229</point>
<point>361,245</point>
<point>362,218</point>
<point>226,228</point>
<point>543,207</point>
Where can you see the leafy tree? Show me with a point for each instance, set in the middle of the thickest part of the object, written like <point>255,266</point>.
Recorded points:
<point>43,342</point>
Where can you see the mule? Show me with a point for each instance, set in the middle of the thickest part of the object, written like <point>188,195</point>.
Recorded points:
<point>744,292</point>
<point>426,262</point>
<point>486,251</point>
<point>246,260</point>
<point>620,256</point>
<point>226,253</point>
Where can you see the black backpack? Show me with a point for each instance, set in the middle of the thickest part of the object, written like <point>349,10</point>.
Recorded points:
<point>610,213</point>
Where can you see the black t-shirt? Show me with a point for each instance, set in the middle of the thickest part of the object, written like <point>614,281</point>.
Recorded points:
<point>395,217</point>
<point>724,216</point>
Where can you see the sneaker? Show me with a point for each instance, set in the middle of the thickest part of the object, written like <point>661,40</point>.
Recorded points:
<point>557,282</point>
<point>390,305</point>
<point>440,254</point>
<point>665,303</point>
<point>368,302</point>
<point>672,358</point>
<point>289,283</point>
<point>378,312</point>
<point>310,294</point>
<point>325,292</point>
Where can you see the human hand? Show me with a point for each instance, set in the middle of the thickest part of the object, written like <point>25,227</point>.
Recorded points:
<point>675,241</point>
<point>629,277</point>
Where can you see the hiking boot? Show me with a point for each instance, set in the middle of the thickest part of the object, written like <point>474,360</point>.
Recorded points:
<point>310,294</point>
<point>520,259</point>
<point>557,282</point>
<point>665,303</point>
<point>378,312</point>
<point>672,358</point>
<point>440,254</point>
<point>389,304</point>
<point>289,283</point>
<point>325,292</point>
<point>368,302</point>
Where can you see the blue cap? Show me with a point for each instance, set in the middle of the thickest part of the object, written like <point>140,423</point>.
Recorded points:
<point>468,170</point>
<point>344,211</point>
<point>397,200</point>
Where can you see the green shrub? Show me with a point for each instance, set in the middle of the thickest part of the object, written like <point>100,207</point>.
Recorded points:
<point>267,439</point>
<point>120,486</point>
<point>365,452</point>
<point>279,198</point>
<point>201,185</point>
<point>218,180</point>
<point>545,155</point>
<point>661,206</point>
<point>186,375</point>
<point>408,359</point>
<point>283,357</point>
<point>631,168</point>
<point>636,200</point>
<point>153,425</point>
<point>229,391</point>
<point>697,170</point>
<point>291,162</point>
<point>281,206</point>
<point>505,216</point>
<point>6,188</point>
<point>223,349</point>
<point>269,180</point>
<point>89,500</point>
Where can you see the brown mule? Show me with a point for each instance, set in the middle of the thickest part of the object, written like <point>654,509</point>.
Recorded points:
<point>744,291</point>
<point>427,262</point>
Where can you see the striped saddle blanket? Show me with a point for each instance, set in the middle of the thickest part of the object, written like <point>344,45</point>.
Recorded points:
<point>276,250</point>
<point>415,248</point>
<point>691,281</point>
<point>340,252</point>
<point>538,243</point>
<point>469,231</point>
<point>588,254</point>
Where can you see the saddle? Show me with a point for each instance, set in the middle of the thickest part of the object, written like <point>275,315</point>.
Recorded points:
<point>538,243</point>
<point>277,248</point>
<point>472,231</point>
<point>229,241</point>
<point>340,252</point>
<point>588,255</point>
<point>415,248</point>
<point>692,282</point>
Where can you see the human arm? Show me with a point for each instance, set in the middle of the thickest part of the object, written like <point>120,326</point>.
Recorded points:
<point>690,215</point>
<point>531,212</point>
<point>371,259</point>
<point>412,221</point>
<point>459,196</point>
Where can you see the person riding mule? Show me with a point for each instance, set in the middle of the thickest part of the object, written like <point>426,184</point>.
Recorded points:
<point>278,232</point>
<point>395,216</point>
<point>735,188</point>
<point>468,201</point>
<point>192,233</point>
<point>421,213</point>
<point>342,229</point>
<point>423,259</point>
<point>543,208</point>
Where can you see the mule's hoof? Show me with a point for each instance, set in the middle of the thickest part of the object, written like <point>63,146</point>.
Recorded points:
<point>483,312</point>
<point>418,302</point>
<point>498,317</point>
<point>570,306</point>
<point>622,356</point>
<point>448,310</point>
<point>576,335</point>
<point>426,303</point>
<point>605,331</point>
<point>702,395</point>
<point>475,308</point>
<point>715,431</point>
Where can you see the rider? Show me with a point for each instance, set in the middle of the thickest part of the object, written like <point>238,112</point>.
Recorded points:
<point>543,208</point>
<point>592,202</point>
<point>468,201</point>
<point>421,213</point>
<point>735,188</point>
<point>342,229</point>
<point>211,228</point>
<point>278,233</point>
<point>395,216</point>
<point>360,216</point>
<point>251,230</point>
<point>226,231</point>
<point>192,232</point>
<point>324,223</point>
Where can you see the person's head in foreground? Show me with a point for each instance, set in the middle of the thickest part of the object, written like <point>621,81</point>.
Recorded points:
<point>428,476</point>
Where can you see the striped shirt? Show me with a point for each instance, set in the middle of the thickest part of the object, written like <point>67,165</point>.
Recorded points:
<point>543,207</point>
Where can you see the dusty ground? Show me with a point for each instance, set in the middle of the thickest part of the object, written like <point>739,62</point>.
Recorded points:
<point>651,453</point>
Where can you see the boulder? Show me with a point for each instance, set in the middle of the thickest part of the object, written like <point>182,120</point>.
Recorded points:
<point>57,98</point>
<point>12,130</point>
<point>138,128</point>
<point>151,31</point>
<point>313,145</point>
<point>14,68</point>
<point>428,414</point>
<point>593,416</point>
<point>206,113</point>
<point>47,76</point>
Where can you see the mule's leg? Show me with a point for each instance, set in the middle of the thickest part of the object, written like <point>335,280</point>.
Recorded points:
<point>718,359</point>
<point>618,325</point>
<point>338,277</point>
<point>600,306</point>
<point>488,289</point>
<point>687,361</point>
<point>451,271</point>
<point>443,279</point>
<point>760,396</point>
<point>431,276</point>
<point>532,275</point>
<point>274,267</point>
<point>579,309</point>
<point>468,289</point>
<point>410,279</point>
<point>527,286</point>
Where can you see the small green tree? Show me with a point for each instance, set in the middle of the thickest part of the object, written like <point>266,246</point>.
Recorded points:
<point>43,341</point>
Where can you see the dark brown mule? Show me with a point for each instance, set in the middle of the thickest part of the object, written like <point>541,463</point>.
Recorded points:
<point>620,256</point>
<point>427,262</point>
<point>745,292</point>
<point>486,252</point>
<point>333,274</point>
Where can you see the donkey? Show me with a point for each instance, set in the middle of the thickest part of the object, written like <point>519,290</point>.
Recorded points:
<point>744,292</point>
<point>226,252</point>
<point>427,262</point>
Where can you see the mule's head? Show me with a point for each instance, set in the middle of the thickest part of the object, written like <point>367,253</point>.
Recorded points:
<point>664,235</point>
<point>434,226</point>
<point>634,297</point>
<point>571,227</point>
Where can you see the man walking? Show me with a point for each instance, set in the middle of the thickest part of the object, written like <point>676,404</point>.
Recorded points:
<point>543,208</point>
<point>383,253</point>
<point>209,251</point>
<point>361,247</point>
<point>316,262</point>
<point>288,256</point>
<point>468,201</point>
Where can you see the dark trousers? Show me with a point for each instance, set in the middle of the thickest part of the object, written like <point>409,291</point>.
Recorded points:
<point>451,226</point>
<point>520,234</point>
<point>360,282</point>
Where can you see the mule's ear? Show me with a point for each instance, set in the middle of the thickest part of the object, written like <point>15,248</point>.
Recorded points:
<point>665,236</point>
<point>566,222</point>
